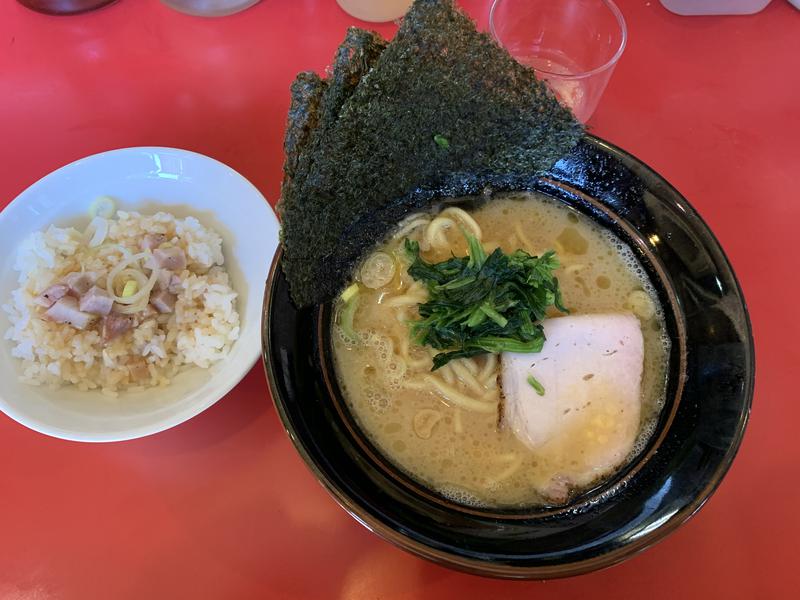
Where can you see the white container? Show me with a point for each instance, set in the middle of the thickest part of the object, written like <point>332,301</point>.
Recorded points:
<point>715,7</point>
<point>147,179</point>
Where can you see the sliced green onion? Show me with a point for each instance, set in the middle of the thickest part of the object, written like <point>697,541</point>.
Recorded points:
<point>349,293</point>
<point>130,288</point>
<point>97,231</point>
<point>103,206</point>
<point>378,270</point>
<point>346,316</point>
<point>536,385</point>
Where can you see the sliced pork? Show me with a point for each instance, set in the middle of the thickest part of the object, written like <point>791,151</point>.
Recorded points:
<point>49,297</point>
<point>80,283</point>
<point>151,241</point>
<point>583,420</point>
<point>169,281</point>
<point>96,301</point>
<point>174,286</point>
<point>66,310</point>
<point>115,324</point>
<point>172,259</point>
<point>163,301</point>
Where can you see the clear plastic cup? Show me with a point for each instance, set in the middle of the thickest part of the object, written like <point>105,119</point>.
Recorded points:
<point>573,45</point>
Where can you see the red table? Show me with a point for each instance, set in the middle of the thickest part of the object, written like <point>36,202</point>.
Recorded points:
<point>222,506</point>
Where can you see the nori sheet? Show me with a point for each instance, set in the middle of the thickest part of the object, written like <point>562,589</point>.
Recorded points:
<point>376,159</point>
<point>306,92</point>
<point>316,104</point>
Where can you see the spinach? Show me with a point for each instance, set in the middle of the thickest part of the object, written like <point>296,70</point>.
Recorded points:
<point>483,303</point>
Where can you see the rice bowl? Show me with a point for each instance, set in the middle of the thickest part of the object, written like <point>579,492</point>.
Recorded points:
<point>198,191</point>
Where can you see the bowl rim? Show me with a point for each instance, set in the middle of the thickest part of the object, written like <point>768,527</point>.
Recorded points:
<point>251,355</point>
<point>462,563</point>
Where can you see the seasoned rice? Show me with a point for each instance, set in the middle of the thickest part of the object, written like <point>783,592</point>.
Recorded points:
<point>199,331</point>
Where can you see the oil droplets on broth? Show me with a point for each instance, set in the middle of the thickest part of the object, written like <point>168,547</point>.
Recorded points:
<point>442,427</point>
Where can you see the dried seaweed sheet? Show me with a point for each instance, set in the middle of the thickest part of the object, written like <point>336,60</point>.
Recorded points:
<point>306,92</point>
<point>443,109</point>
<point>316,104</point>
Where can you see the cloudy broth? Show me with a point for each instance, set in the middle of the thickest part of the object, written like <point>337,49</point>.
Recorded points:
<point>385,378</point>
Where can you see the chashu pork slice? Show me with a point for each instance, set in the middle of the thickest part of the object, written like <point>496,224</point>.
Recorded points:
<point>587,419</point>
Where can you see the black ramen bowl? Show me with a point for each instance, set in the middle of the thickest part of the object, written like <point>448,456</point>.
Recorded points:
<point>709,393</point>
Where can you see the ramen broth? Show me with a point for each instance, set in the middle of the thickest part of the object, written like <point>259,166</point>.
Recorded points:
<point>463,454</point>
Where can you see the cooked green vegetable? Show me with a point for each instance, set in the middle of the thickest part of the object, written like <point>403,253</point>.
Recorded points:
<point>350,299</point>
<point>349,292</point>
<point>484,303</point>
<point>131,287</point>
<point>534,383</point>
<point>442,141</point>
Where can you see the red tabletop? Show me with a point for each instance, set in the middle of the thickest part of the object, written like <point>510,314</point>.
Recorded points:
<point>222,506</point>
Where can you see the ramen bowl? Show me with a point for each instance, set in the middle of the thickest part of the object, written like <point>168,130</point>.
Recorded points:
<point>709,393</point>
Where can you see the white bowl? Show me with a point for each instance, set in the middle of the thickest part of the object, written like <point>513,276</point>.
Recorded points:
<point>147,180</point>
